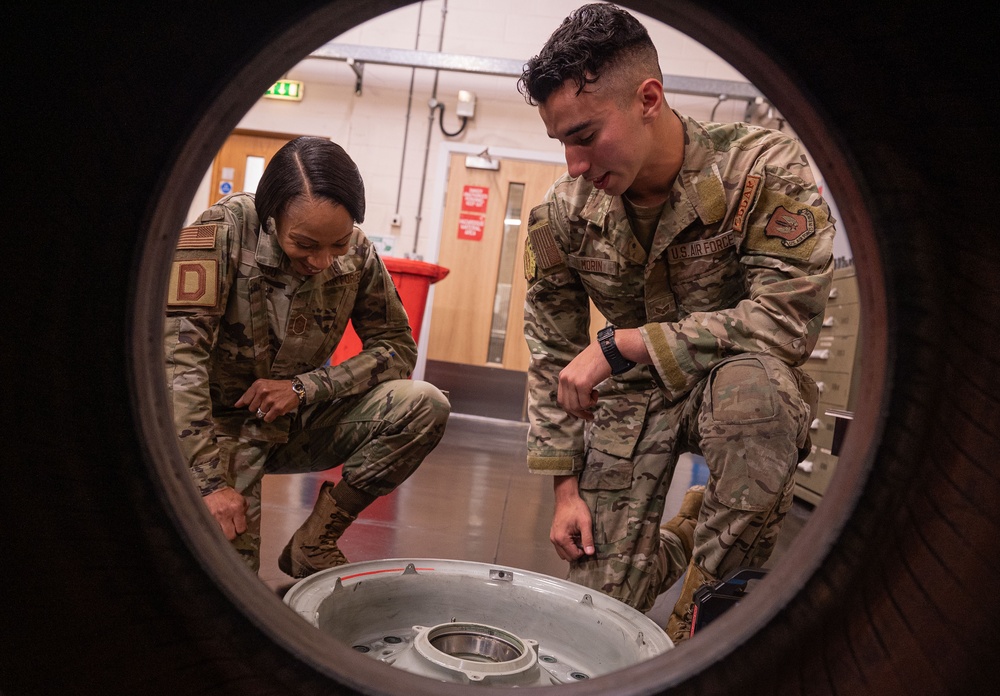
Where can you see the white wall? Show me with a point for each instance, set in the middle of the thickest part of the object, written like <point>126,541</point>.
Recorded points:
<point>372,127</point>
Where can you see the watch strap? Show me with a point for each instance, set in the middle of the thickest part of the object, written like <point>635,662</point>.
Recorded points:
<point>618,362</point>
<point>300,390</point>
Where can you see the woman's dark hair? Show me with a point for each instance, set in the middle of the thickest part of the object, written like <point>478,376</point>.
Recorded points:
<point>312,167</point>
<point>592,39</point>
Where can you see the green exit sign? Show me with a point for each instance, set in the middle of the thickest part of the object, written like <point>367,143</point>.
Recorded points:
<point>285,89</point>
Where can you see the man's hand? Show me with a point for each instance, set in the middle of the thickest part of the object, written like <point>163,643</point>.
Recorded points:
<point>577,393</point>
<point>229,509</point>
<point>572,527</point>
<point>577,381</point>
<point>273,397</point>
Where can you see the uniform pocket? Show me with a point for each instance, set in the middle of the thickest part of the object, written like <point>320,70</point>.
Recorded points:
<point>748,433</point>
<point>708,282</point>
<point>618,423</point>
<point>606,480</point>
<point>606,486</point>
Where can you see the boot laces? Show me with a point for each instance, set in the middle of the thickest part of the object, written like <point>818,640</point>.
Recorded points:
<point>330,534</point>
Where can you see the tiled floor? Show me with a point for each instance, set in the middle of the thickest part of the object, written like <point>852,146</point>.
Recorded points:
<point>472,499</point>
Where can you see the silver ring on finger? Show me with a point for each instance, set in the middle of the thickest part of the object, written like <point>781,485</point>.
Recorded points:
<point>260,414</point>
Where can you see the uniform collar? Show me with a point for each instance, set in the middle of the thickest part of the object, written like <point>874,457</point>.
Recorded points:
<point>700,176</point>
<point>269,252</point>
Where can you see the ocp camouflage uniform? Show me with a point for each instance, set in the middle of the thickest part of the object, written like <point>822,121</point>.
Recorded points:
<point>236,313</point>
<point>729,299</point>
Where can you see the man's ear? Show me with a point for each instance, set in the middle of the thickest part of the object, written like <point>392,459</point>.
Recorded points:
<point>651,95</point>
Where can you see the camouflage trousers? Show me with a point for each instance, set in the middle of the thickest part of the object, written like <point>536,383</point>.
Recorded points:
<point>380,437</point>
<point>749,419</point>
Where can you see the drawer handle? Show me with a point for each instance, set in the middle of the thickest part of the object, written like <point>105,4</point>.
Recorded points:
<point>815,425</point>
<point>834,293</point>
<point>806,465</point>
<point>820,355</point>
<point>828,322</point>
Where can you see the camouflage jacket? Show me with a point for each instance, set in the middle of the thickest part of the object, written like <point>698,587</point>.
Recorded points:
<point>236,313</point>
<point>741,261</point>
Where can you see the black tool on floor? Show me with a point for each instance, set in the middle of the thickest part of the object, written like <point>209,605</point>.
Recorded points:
<point>713,599</point>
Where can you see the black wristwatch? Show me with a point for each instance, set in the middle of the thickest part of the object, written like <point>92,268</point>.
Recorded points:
<point>618,362</point>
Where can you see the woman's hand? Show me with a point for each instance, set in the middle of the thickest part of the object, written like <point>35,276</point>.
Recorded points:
<point>228,508</point>
<point>270,399</point>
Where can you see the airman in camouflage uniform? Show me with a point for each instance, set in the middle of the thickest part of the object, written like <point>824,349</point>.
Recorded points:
<point>709,248</point>
<point>244,322</point>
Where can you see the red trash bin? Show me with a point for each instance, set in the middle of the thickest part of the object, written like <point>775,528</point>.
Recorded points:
<point>413,279</point>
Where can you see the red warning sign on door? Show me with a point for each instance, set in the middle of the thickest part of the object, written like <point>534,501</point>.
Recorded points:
<point>474,199</point>
<point>471,225</point>
<point>472,218</point>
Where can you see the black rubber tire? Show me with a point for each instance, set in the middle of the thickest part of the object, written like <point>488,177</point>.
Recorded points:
<point>111,584</point>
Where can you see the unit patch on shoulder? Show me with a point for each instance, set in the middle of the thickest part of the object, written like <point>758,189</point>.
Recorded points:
<point>197,237</point>
<point>779,225</point>
<point>792,228</point>
<point>194,283</point>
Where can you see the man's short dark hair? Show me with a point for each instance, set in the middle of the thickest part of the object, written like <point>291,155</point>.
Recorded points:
<point>313,167</point>
<point>592,41</point>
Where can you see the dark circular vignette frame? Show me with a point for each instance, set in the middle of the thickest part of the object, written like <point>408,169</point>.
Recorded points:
<point>725,635</point>
<point>157,604</point>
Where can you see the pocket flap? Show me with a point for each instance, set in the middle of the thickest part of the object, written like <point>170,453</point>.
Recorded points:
<point>604,472</point>
<point>618,423</point>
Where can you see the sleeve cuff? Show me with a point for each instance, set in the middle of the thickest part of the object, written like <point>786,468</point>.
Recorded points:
<point>561,465</point>
<point>674,378</point>
<point>209,477</point>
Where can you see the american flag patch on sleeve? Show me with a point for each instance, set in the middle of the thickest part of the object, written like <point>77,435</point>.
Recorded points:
<point>544,246</point>
<point>197,237</point>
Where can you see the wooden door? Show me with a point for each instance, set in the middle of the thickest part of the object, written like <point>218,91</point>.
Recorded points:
<point>243,153</point>
<point>478,310</point>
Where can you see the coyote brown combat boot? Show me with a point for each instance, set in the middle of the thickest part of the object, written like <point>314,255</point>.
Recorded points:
<point>679,623</point>
<point>683,523</point>
<point>313,547</point>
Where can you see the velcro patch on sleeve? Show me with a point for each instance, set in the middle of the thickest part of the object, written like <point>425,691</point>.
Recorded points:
<point>792,228</point>
<point>194,283</point>
<point>543,244</point>
<point>530,265</point>
<point>197,237</point>
<point>782,226</point>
